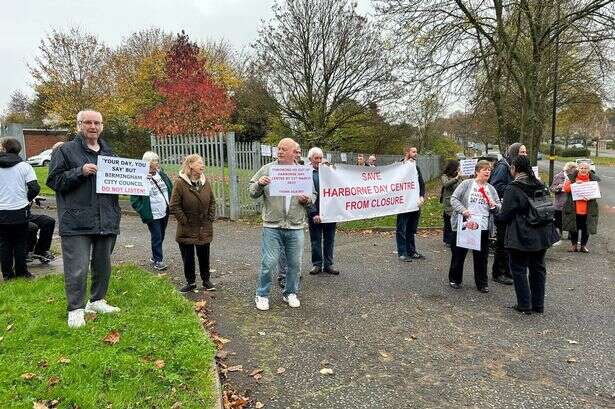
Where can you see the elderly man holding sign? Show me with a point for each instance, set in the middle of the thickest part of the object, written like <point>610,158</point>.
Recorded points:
<point>89,222</point>
<point>283,212</point>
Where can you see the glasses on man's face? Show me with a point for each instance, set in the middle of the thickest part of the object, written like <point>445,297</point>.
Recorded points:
<point>89,123</point>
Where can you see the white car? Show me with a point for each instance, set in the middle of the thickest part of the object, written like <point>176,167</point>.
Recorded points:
<point>42,159</point>
<point>592,167</point>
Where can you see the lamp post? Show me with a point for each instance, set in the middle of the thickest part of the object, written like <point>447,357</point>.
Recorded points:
<point>554,112</point>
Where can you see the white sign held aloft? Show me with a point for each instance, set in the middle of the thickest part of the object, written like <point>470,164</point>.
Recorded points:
<point>122,176</point>
<point>467,167</point>
<point>265,150</point>
<point>585,190</point>
<point>344,157</point>
<point>467,238</point>
<point>356,192</point>
<point>290,180</point>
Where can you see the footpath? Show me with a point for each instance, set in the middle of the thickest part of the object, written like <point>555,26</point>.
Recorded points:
<point>395,335</point>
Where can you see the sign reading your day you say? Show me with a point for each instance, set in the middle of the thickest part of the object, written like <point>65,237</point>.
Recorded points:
<point>122,176</point>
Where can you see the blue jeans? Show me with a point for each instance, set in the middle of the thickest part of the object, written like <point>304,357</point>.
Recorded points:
<point>407,224</point>
<point>273,241</point>
<point>157,228</point>
<point>322,240</point>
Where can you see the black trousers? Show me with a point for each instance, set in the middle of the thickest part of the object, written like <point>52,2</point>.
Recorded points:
<point>447,232</point>
<point>202,252</point>
<point>480,258</point>
<point>524,264</point>
<point>582,227</point>
<point>13,241</point>
<point>500,257</point>
<point>44,226</point>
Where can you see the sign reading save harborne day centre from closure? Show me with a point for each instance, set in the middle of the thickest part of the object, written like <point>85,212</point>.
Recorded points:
<point>122,176</point>
<point>350,192</point>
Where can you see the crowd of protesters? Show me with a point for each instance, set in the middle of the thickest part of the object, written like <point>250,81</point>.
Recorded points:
<point>499,200</point>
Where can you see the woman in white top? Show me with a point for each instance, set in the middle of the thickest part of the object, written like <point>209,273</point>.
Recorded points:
<point>474,202</point>
<point>18,187</point>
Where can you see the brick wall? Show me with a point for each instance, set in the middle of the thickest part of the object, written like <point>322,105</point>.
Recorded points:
<point>36,142</point>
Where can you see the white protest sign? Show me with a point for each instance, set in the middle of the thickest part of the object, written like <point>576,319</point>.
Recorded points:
<point>265,150</point>
<point>344,157</point>
<point>290,180</point>
<point>536,172</point>
<point>585,190</point>
<point>122,176</point>
<point>467,238</point>
<point>467,167</point>
<point>274,151</point>
<point>350,192</point>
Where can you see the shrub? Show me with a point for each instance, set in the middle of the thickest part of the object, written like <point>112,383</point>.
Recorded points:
<point>575,152</point>
<point>445,147</point>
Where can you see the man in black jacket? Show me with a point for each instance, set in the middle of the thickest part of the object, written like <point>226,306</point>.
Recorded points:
<point>18,186</point>
<point>89,222</point>
<point>500,179</point>
<point>407,223</point>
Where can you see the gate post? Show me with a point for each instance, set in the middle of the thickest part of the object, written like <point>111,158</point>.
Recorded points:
<point>231,153</point>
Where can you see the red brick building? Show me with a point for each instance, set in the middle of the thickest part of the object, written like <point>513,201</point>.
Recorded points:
<point>37,140</point>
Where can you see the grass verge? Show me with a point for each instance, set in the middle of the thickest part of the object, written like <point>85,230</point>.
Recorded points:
<point>163,358</point>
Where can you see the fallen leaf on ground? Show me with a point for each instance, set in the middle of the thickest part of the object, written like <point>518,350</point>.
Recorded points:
<point>221,354</point>
<point>255,372</point>
<point>324,362</point>
<point>384,354</point>
<point>199,305</point>
<point>411,338</point>
<point>50,300</point>
<point>235,368</point>
<point>112,338</point>
<point>259,405</point>
<point>262,333</point>
<point>176,405</point>
<point>572,342</point>
<point>43,364</point>
<point>40,405</point>
<point>64,360</point>
<point>129,246</point>
<point>326,371</point>
<point>159,363</point>
<point>281,370</point>
<point>257,377</point>
<point>571,360</point>
<point>53,381</point>
<point>9,327</point>
<point>27,376</point>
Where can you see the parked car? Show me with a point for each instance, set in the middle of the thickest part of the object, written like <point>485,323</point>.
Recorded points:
<point>42,159</point>
<point>576,145</point>
<point>592,167</point>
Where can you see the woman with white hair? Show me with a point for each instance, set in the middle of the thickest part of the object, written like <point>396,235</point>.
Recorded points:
<point>322,235</point>
<point>154,209</point>
<point>557,187</point>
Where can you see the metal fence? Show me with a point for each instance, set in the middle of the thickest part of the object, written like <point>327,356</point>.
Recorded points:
<point>229,165</point>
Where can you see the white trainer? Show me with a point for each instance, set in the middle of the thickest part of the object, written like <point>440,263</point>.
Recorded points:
<point>101,307</point>
<point>292,301</point>
<point>76,318</point>
<point>262,303</point>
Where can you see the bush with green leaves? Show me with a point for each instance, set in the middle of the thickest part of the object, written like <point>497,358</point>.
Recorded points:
<point>575,152</point>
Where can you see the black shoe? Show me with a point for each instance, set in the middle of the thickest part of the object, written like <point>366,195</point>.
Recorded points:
<point>331,270</point>
<point>456,286</point>
<point>483,289</point>
<point>315,270</point>
<point>46,257</point>
<point>417,256</point>
<point>538,310</point>
<point>187,288</point>
<point>405,258</point>
<point>521,310</point>
<point>503,280</point>
<point>208,286</point>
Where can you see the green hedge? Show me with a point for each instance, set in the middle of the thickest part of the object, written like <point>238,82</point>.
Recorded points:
<point>574,152</point>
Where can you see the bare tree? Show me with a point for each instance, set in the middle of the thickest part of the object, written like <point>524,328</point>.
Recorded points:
<point>325,64</point>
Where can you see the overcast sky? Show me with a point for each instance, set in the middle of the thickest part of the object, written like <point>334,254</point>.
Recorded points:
<point>24,22</point>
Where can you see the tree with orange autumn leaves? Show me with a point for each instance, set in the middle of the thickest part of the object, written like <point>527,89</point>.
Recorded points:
<point>190,100</point>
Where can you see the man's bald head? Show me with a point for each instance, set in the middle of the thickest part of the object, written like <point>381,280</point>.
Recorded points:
<point>286,151</point>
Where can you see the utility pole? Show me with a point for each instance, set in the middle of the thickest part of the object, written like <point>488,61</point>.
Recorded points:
<point>554,112</point>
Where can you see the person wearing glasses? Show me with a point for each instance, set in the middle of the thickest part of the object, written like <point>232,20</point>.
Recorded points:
<point>88,222</point>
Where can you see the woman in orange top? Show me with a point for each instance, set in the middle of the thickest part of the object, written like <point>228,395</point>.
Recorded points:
<point>580,215</point>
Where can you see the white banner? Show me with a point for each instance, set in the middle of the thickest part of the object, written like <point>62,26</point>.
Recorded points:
<point>265,150</point>
<point>122,176</point>
<point>350,192</point>
<point>291,180</point>
<point>585,190</point>
<point>467,167</point>
<point>467,238</point>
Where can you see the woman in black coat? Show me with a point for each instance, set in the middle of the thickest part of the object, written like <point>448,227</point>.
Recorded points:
<point>526,240</point>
